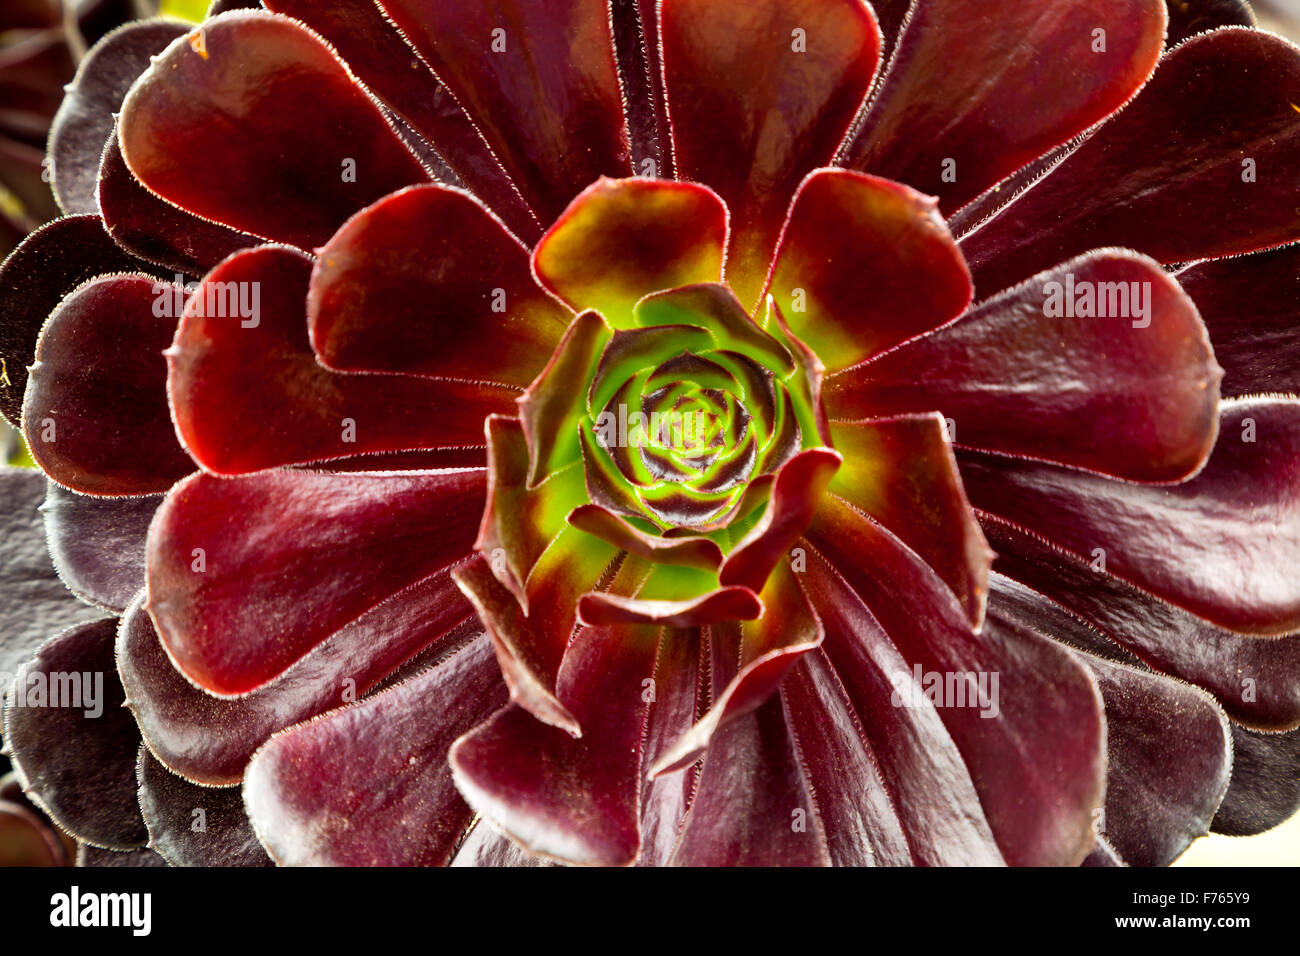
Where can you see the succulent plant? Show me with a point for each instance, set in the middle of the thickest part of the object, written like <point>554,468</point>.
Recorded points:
<point>694,432</point>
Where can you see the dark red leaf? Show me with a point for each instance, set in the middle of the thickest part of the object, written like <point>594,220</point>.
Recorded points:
<point>311,791</point>
<point>237,603</point>
<point>205,127</point>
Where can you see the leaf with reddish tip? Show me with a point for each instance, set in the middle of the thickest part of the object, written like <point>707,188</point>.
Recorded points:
<point>1041,732</point>
<point>1216,545</point>
<point>427,281</point>
<point>695,552</point>
<point>191,825</point>
<point>95,415</point>
<point>311,792</point>
<point>1130,391</point>
<point>209,740</point>
<point>549,407</point>
<point>242,355</point>
<point>1248,304</point>
<point>864,264</point>
<point>72,741</point>
<point>796,493</point>
<point>1168,176</point>
<point>622,239</point>
<point>155,230</point>
<point>237,603</point>
<point>574,799</point>
<point>85,117</point>
<point>205,126</point>
<point>931,127</point>
<point>758,95</point>
<point>383,60</point>
<point>539,81</point>
<point>769,646</point>
<point>97,544</point>
<point>1166,638</point>
<point>902,473</point>
<point>50,263</point>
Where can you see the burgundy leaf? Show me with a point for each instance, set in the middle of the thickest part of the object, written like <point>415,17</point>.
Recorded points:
<point>237,603</point>
<point>1265,788</point>
<point>37,604</point>
<point>155,230</point>
<point>620,240</point>
<point>864,264</point>
<point>1257,680</point>
<point>1169,756</point>
<point>859,670</point>
<point>311,791</point>
<point>191,825</point>
<point>753,806</point>
<point>95,415</point>
<point>73,742</point>
<point>539,81</point>
<point>1249,307</point>
<point>1045,76</point>
<point>205,127</point>
<point>576,799</point>
<point>1215,545</point>
<point>242,355</point>
<point>49,264</point>
<point>97,544</point>
<point>427,281</point>
<point>1203,163</point>
<point>85,117</point>
<point>1100,363</point>
<point>901,472</point>
<point>1040,733</point>
<point>759,94</point>
<point>376,53</point>
<point>209,740</point>
<point>768,647</point>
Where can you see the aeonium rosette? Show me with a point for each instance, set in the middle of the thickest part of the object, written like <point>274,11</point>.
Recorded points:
<point>666,458</point>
